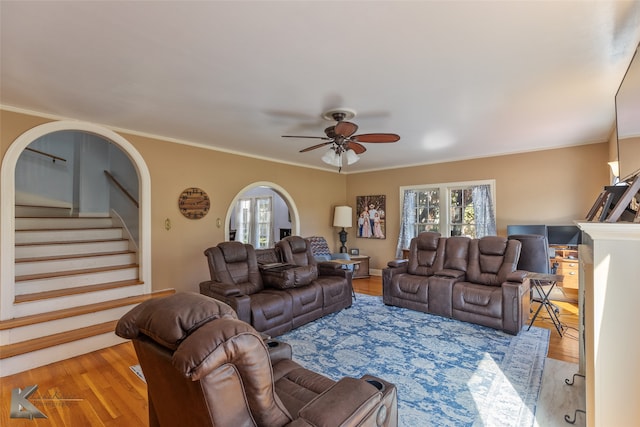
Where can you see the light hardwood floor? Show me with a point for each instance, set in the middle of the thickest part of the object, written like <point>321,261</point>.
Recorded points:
<point>99,389</point>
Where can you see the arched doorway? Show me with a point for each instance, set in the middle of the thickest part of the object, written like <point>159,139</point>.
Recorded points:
<point>7,203</point>
<point>293,216</point>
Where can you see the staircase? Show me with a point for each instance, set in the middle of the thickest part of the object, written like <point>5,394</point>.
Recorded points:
<point>74,278</point>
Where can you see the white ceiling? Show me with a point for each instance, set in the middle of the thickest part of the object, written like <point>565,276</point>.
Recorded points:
<point>455,79</point>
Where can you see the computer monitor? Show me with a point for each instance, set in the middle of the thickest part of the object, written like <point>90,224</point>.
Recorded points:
<point>540,229</point>
<point>564,235</point>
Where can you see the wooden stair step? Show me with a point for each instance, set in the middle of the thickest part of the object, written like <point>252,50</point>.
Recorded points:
<point>67,234</point>
<point>77,311</point>
<point>76,256</point>
<point>71,272</point>
<point>68,242</point>
<point>23,347</point>
<point>75,291</point>
<point>68,229</point>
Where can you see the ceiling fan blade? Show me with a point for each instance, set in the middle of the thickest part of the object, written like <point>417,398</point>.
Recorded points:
<point>357,148</point>
<point>316,146</point>
<point>346,129</point>
<point>376,137</point>
<point>311,137</point>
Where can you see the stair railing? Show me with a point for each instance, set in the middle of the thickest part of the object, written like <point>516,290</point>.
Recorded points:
<point>53,157</point>
<point>121,187</point>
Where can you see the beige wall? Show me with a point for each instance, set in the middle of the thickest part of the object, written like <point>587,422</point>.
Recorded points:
<point>554,187</point>
<point>542,187</point>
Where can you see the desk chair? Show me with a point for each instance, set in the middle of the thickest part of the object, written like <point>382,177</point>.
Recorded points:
<point>534,257</point>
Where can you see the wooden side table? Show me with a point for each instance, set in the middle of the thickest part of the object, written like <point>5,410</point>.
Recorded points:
<point>362,269</point>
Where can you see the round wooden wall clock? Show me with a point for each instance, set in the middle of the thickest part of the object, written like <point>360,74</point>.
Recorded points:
<point>194,203</point>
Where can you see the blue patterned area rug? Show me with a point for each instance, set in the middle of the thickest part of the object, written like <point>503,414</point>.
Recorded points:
<point>448,372</point>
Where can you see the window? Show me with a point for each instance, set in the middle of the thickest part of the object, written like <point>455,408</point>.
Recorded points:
<point>452,209</point>
<point>254,221</point>
<point>427,210</point>
<point>462,217</point>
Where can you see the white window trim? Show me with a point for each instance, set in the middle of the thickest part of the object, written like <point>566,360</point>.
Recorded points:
<point>445,188</point>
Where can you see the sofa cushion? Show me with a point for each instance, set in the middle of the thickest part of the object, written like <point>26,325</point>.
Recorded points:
<point>319,246</point>
<point>234,252</point>
<point>267,256</point>
<point>290,278</point>
<point>425,254</point>
<point>492,246</point>
<point>169,320</point>
<point>492,259</point>
<point>477,299</point>
<point>456,253</point>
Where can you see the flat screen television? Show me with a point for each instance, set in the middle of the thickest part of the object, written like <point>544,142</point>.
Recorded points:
<point>540,229</point>
<point>628,119</point>
<point>564,235</point>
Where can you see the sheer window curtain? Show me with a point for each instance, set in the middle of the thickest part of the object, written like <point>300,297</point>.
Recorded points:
<point>483,210</point>
<point>482,200</point>
<point>408,220</point>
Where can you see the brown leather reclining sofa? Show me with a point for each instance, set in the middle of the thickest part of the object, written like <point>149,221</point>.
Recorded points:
<point>474,280</point>
<point>276,300</point>
<point>204,367</point>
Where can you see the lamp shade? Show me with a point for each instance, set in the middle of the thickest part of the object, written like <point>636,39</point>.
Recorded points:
<point>352,157</point>
<point>342,216</point>
<point>332,158</point>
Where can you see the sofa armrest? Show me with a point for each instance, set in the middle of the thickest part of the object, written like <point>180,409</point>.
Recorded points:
<point>230,295</point>
<point>219,288</point>
<point>329,266</point>
<point>516,302</point>
<point>350,401</point>
<point>278,350</point>
<point>517,276</point>
<point>387,279</point>
<point>398,263</point>
<point>450,273</point>
<point>333,269</point>
<point>394,268</point>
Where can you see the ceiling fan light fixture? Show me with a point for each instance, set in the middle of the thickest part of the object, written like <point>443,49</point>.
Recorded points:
<point>332,158</point>
<point>344,144</point>
<point>352,157</point>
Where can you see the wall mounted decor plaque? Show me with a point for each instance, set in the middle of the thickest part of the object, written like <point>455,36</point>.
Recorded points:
<point>194,203</point>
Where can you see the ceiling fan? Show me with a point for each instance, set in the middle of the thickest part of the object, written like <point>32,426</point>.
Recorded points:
<point>342,140</point>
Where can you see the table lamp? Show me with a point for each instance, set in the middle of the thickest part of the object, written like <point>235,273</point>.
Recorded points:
<point>342,217</point>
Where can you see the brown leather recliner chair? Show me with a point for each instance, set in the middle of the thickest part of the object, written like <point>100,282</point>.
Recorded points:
<point>236,281</point>
<point>336,291</point>
<point>408,285</point>
<point>493,292</point>
<point>204,367</point>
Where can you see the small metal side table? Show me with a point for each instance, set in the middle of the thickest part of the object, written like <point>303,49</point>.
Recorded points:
<point>540,281</point>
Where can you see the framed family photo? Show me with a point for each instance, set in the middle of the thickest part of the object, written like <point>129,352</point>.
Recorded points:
<point>370,211</point>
